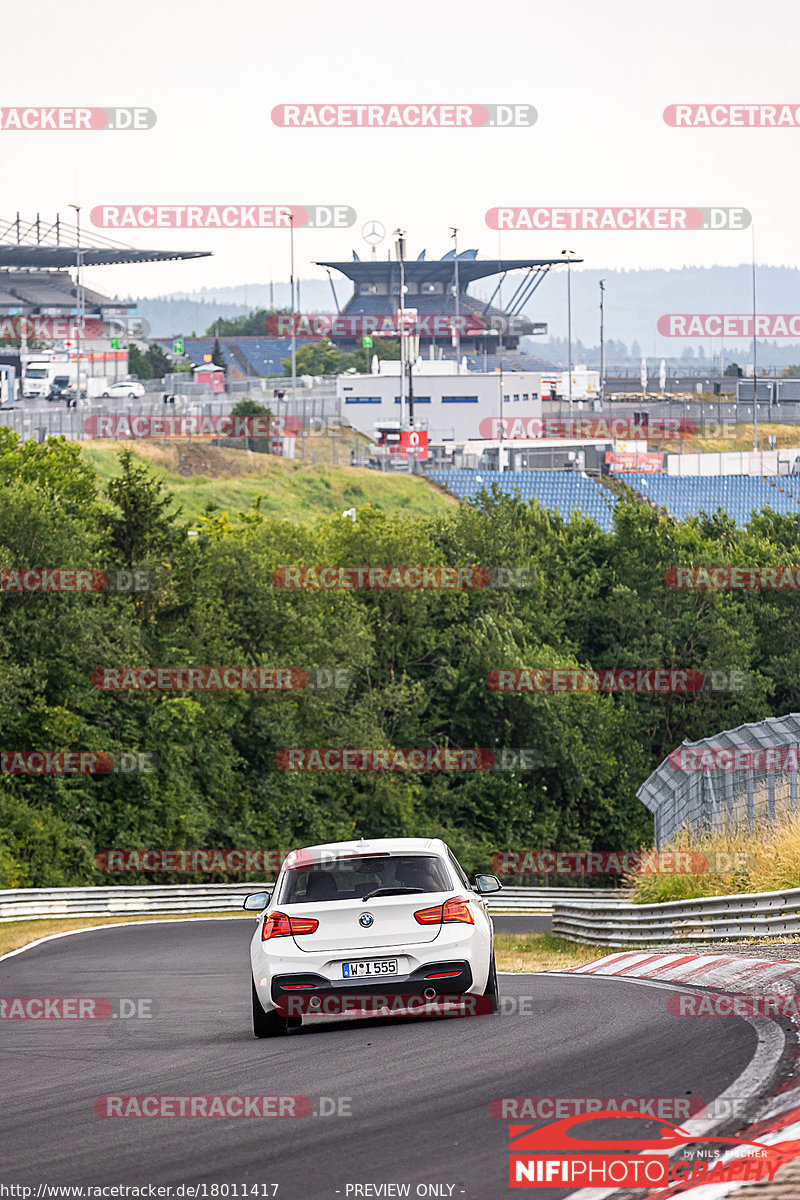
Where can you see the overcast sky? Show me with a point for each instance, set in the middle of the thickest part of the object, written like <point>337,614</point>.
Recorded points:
<point>599,76</point>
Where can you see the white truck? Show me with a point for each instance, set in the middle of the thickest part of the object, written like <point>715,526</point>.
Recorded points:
<point>39,374</point>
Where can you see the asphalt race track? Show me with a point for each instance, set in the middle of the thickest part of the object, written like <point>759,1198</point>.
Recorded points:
<point>419,1090</point>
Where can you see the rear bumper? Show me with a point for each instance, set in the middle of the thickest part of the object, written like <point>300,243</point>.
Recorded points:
<point>455,978</point>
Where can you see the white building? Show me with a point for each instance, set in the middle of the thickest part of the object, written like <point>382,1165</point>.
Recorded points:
<point>453,404</point>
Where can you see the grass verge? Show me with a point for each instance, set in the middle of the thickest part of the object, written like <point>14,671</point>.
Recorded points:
<point>729,863</point>
<point>542,952</point>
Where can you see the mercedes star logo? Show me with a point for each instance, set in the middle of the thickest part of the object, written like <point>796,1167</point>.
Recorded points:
<point>373,232</point>
<point>365,920</point>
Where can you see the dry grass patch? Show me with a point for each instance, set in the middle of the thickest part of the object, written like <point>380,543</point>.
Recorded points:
<point>542,952</point>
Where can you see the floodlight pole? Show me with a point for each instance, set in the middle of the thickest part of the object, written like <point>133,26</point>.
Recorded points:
<point>401,254</point>
<point>294,319</point>
<point>457,343</point>
<point>79,298</point>
<point>602,347</point>
<point>569,329</point>
<point>755,373</point>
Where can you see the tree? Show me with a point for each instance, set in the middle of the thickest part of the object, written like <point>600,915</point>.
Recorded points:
<point>139,523</point>
<point>734,371</point>
<point>139,364</point>
<point>789,372</point>
<point>160,362</point>
<point>252,324</point>
<point>317,358</point>
<point>217,357</point>
<point>362,357</point>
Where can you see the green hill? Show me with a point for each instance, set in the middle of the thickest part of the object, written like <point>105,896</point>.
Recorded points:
<point>208,478</point>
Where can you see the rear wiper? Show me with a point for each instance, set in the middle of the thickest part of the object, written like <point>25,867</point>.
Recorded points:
<point>391,891</point>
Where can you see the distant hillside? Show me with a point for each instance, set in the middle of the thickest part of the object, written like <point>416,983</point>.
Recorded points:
<point>634,300</point>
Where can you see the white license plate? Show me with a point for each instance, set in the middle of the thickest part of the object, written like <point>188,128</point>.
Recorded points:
<point>385,966</point>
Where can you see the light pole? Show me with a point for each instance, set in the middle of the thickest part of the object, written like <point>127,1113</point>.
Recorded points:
<point>755,373</point>
<point>401,255</point>
<point>457,343</point>
<point>294,320</point>
<point>569,328</point>
<point>500,442</point>
<point>79,298</point>
<point>602,347</point>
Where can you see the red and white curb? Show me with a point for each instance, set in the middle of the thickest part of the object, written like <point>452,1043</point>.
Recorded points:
<point>778,1121</point>
<point>703,970</point>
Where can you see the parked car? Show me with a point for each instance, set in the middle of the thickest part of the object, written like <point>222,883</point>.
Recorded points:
<point>130,389</point>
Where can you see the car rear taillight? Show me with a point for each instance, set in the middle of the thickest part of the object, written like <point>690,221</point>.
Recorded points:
<point>443,914</point>
<point>277,924</point>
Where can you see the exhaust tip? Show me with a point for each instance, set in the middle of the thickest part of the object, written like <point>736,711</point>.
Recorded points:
<point>429,993</point>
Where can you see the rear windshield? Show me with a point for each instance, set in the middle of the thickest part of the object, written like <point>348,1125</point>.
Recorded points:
<point>352,878</point>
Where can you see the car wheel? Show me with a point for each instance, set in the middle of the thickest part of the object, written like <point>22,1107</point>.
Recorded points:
<point>104,396</point>
<point>267,1024</point>
<point>131,395</point>
<point>491,989</point>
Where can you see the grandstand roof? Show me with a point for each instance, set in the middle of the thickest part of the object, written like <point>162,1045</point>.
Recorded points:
<point>52,244</point>
<point>430,270</point>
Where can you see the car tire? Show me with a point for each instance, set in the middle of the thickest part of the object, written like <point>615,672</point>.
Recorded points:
<point>491,990</point>
<point>265,1024</point>
<point>104,396</point>
<point>131,395</point>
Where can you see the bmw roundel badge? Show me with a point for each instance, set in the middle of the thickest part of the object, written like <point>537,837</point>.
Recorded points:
<point>365,920</point>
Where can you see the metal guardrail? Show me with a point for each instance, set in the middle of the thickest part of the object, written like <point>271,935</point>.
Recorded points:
<point>23,904</point>
<point>710,919</point>
<point>18,904</point>
<point>545,899</point>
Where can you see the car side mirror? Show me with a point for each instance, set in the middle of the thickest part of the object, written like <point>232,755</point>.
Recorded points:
<point>256,901</point>
<point>484,884</point>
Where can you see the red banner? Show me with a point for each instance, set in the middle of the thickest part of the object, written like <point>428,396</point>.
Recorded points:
<point>634,460</point>
<point>414,442</point>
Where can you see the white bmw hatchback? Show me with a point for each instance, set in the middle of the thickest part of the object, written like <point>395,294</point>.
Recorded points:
<point>347,920</point>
